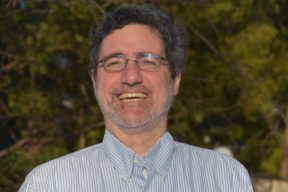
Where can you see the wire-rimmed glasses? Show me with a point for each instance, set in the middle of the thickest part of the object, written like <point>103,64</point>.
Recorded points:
<point>144,61</point>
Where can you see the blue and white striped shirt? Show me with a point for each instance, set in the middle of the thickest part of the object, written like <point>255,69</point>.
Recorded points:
<point>111,166</point>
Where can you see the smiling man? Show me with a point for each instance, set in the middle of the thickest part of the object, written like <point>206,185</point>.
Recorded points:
<point>135,66</point>
<point>133,85</point>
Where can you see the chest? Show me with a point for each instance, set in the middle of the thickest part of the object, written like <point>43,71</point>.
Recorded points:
<point>105,178</point>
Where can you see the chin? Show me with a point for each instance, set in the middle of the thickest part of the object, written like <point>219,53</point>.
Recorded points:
<point>128,125</point>
<point>139,125</point>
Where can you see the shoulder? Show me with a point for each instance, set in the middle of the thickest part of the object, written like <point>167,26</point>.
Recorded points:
<point>212,169</point>
<point>69,166</point>
<point>202,155</point>
<point>206,160</point>
<point>83,155</point>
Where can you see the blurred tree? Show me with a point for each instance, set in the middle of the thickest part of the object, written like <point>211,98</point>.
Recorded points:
<point>234,89</point>
<point>237,87</point>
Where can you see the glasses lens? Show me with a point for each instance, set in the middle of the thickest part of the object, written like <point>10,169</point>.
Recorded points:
<point>114,63</point>
<point>149,62</point>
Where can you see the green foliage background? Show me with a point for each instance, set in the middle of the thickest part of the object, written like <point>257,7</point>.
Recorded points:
<point>234,90</point>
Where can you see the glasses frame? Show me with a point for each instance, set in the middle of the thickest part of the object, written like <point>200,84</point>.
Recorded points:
<point>136,61</point>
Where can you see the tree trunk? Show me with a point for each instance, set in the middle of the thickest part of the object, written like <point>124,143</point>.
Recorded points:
<point>82,140</point>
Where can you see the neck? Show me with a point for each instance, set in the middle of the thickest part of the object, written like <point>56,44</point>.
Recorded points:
<point>139,141</point>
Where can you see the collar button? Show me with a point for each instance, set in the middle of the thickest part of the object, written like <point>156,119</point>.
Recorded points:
<point>126,179</point>
<point>163,176</point>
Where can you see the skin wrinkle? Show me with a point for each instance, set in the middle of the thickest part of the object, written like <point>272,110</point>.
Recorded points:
<point>138,123</point>
<point>148,123</point>
<point>174,37</point>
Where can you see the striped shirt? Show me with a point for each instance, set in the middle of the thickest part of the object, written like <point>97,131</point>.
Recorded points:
<point>168,166</point>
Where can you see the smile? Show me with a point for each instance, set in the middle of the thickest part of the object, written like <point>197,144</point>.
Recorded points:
<point>132,96</point>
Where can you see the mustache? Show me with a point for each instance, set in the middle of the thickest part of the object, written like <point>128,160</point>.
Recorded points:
<point>127,89</point>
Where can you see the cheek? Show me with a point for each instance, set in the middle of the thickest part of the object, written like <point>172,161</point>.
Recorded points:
<point>161,86</point>
<point>105,85</point>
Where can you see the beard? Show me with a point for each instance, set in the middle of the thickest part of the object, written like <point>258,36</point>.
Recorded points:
<point>150,119</point>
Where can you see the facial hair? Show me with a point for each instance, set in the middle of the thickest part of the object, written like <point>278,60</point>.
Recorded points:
<point>149,121</point>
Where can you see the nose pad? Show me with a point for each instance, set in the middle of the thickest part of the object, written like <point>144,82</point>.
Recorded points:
<point>132,74</point>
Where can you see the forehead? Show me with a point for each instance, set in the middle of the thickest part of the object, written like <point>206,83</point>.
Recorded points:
<point>132,39</point>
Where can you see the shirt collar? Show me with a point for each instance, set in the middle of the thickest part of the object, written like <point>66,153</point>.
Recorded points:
<point>122,157</point>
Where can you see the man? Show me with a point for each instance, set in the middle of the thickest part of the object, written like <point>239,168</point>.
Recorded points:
<point>135,67</point>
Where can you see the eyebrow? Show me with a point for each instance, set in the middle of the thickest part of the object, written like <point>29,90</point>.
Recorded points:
<point>112,55</point>
<point>145,53</point>
<point>121,54</point>
<point>115,54</point>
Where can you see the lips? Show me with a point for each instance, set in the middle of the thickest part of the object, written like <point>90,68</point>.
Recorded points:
<point>132,96</point>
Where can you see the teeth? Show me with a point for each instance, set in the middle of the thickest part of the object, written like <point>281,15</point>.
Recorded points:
<point>132,96</point>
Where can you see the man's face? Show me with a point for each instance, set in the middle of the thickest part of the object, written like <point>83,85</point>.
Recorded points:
<point>132,98</point>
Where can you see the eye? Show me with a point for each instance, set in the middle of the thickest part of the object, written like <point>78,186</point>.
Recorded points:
<point>148,60</point>
<point>113,62</point>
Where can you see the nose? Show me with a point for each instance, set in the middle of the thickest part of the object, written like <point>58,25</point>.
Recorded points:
<point>131,75</point>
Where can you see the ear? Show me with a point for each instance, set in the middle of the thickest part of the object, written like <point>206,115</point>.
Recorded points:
<point>176,84</point>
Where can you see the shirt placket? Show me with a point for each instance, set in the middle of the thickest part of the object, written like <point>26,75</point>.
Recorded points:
<point>142,173</point>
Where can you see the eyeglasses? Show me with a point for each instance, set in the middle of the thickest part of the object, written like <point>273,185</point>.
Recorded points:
<point>144,61</point>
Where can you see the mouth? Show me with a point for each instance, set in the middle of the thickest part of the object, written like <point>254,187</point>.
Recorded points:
<point>132,96</point>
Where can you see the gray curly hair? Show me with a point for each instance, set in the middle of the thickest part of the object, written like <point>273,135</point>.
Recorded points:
<point>173,38</point>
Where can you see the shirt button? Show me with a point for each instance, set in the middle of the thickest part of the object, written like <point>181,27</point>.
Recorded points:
<point>145,172</point>
<point>163,176</point>
<point>136,161</point>
<point>126,179</point>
